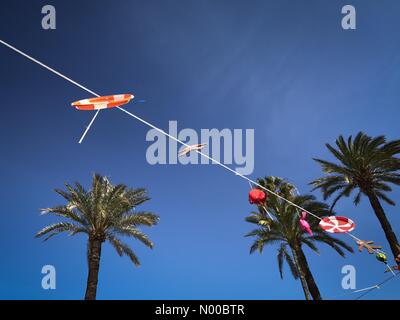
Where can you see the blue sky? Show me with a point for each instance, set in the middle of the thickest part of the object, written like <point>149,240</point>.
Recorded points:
<point>284,68</point>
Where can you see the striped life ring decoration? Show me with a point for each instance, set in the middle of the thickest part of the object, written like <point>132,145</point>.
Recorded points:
<point>334,224</point>
<point>105,102</point>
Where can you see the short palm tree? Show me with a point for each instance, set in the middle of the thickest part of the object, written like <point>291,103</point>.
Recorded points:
<point>104,212</point>
<point>284,230</point>
<point>366,165</point>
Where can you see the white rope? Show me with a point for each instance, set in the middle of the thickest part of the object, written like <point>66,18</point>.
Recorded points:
<point>88,127</point>
<point>377,286</point>
<point>252,182</point>
<point>390,269</point>
<point>353,292</point>
<point>361,290</point>
<point>48,68</point>
<point>269,215</point>
<point>368,289</point>
<point>60,75</point>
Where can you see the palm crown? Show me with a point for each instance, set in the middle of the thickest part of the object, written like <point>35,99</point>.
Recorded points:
<point>105,212</point>
<point>366,164</point>
<point>284,229</point>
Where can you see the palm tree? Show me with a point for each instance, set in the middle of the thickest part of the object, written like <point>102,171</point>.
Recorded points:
<point>285,231</point>
<point>368,166</point>
<point>104,212</point>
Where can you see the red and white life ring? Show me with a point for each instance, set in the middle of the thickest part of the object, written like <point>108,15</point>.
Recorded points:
<point>334,224</point>
<point>105,102</point>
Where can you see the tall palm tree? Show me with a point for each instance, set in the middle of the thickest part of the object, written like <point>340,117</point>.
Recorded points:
<point>368,166</point>
<point>104,212</point>
<point>285,231</point>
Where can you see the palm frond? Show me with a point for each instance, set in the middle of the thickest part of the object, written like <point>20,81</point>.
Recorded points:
<point>139,218</point>
<point>123,249</point>
<point>59,227</point>
<point>133,232</point>
<point>308,242</point>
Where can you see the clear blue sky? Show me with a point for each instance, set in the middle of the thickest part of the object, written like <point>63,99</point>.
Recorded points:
<point>284,68</point>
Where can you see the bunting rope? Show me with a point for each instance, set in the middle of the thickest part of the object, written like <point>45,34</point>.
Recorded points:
<point>377,286</point>
<point>252,182</point>
<point>355,291</point>
<point>366,290</point>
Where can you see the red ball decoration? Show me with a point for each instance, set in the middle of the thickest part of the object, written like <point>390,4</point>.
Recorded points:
<point>257,196</point>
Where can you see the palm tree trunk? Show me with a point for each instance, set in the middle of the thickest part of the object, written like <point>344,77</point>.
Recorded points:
<point>303,265</point>
<point>302,276</point>
<point>387,228</point>
<point>94,253</point>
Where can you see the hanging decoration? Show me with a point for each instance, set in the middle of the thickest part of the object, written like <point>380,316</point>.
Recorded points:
<point>304,225</point>
<point>338,224</point>
<point>257,196</point>
<point>367,245</point>
<point>380,256</point>
<point>105,102</point>
<point>195,147</point>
